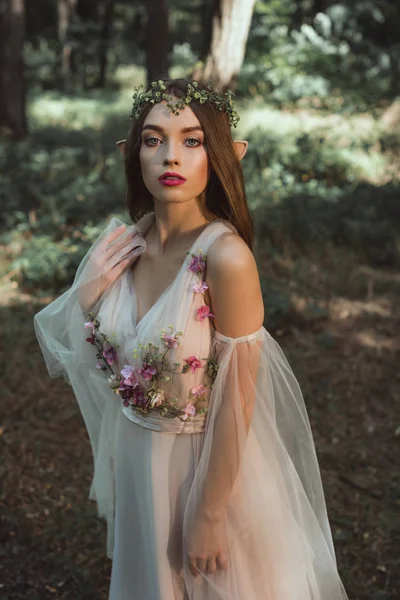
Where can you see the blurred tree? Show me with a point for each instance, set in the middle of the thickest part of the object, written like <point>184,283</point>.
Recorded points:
<point>88,9</point>
<point>66,10</point>
<point>12,82</point>
<point>230,25</point>
<point>157,39</point>
<point>207,12</point>
<point>105,35</point>
<point>304,11</point>
<point>86,30</point>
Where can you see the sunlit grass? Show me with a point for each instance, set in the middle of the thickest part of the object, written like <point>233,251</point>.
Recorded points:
<point>92,109</point>
<point>352,136</point>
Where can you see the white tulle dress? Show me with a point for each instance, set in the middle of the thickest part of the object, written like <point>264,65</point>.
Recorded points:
<point>239,443</point>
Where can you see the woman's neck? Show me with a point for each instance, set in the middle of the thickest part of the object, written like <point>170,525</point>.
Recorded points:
<point>176,223</point>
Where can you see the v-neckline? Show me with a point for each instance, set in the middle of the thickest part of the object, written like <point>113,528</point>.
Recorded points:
<point>167,289</point>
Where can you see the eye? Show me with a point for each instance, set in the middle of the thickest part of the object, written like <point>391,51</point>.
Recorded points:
<point>197,142</point>
<point>149,141</point>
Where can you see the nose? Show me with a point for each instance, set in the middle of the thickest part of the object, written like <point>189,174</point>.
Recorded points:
<point>172,156</point>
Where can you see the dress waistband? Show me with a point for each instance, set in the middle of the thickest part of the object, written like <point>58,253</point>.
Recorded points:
<point>158,423</point>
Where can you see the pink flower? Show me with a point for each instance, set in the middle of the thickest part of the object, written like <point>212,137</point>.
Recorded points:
<point>190,411</point>
<point>171,341</point>
<point>129,387</point>
<point>125,391</point>
<point>91,340</point>
<point>148,371</point>
<point>129,376</point>
<point>133,396</point>
<point>127,371</point>
<point>203,312</point>
<point>90,324</point>
<point>198,390</point>
<point>197,263</point>
<point>110,354</point>
<point>128,384</point>
<point>139,399</point>
<point>193,362</point>
<point>200,287</point>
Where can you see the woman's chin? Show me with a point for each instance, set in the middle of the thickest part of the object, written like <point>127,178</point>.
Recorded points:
<point>174,194</point>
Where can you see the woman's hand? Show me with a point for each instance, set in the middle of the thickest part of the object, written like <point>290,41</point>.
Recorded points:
<point>207,545</point>
<point>111,257</point>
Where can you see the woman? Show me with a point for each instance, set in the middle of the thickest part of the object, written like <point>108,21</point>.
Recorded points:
<point>205,466</point>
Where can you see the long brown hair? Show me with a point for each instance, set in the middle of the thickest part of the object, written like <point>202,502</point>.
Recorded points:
<point>225,195</point>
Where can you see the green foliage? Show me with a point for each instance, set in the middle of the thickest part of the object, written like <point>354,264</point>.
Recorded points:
<point>280,166</point>
<point>40,62</point>
<point>367,220</point>
<point>351,49</point>
<point>46,263</point>
<point>65,186</point>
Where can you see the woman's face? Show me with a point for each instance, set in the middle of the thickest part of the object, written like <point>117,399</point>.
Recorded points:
<point>173,144</point>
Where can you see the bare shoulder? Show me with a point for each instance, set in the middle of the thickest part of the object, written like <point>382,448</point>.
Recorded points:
<point>234,286</point>
<point>221,249</point>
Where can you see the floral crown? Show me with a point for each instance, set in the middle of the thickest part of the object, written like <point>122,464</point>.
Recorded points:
<point>157,93</point>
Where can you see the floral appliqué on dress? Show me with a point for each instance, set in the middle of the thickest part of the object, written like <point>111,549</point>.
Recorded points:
<point>155,365</point>
<point>198,265</point>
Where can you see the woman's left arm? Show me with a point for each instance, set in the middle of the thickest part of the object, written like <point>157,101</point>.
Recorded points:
<point>236,302</point>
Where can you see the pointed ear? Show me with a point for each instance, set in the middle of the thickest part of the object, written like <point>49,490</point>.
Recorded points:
<point>121,146</point>
<point>241,148</point>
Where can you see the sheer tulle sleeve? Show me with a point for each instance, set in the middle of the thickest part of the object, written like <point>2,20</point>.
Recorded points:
<point>257,493</point>
<point>62,337</point>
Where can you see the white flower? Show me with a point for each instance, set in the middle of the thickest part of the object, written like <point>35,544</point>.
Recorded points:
<point>156,397</point>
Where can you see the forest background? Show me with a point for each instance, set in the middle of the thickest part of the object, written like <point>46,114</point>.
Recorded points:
<point>317,85</point>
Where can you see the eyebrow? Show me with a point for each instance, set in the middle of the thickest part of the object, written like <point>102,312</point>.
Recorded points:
<point>161,130</point>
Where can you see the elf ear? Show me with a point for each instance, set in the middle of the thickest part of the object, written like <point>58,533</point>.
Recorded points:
<point>121,146</point>
<point>240,148</point>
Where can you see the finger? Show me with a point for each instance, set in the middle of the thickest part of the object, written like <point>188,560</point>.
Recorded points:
<point>202,564</point>
<point>193,570</point>
<point>118,245</point>
<point>222,561</point>
<point>128,254</point>
<point>192,566</point>
<point>211,565</point>
<point>115,233</point>
<point>121,266</point>
<point>111,236</point>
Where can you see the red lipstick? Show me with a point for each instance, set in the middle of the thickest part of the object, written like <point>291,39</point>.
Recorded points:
<point>171,178</point>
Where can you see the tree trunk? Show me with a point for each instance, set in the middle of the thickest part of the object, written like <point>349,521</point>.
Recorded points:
<point>208,9</point>
<point>66,10</point>
<point>157,39</point>
<point>88,10</point>
<point>298,15</point>
<point>88,51</point>
<point>12,81</point>
<point>108,17</point>
<point>321,6</point>
<point>230,29</point>
<point>318,6</point>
